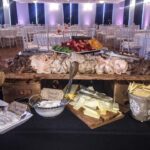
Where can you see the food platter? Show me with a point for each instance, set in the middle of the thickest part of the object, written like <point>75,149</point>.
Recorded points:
<point>82,52</point>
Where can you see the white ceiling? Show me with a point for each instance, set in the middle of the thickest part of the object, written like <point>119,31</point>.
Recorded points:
<point>73,1</point>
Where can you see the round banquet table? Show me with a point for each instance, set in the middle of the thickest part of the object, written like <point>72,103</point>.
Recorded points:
<point>54,39</point>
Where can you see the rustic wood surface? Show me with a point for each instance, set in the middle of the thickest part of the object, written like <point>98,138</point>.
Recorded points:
<point>78,76</point>
<point>16,90</point>
<point>94,123</point>
<point>2,78</point>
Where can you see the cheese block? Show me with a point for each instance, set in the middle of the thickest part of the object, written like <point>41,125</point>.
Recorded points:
<point>52,94</point>
<point>103,111</point>
<point>116,107</point>
<point>79,104</point>
<point>91,112</point>
<point>92,103</point>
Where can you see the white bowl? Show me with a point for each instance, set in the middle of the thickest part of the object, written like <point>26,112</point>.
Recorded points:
<point>49,112</point>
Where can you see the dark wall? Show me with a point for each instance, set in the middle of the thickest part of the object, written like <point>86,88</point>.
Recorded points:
<point>126,12</point>
<point>138,12</point>
<point>13,12</point>
<point>99,14</point>
<point>108,13</point>
<point>1,13</point>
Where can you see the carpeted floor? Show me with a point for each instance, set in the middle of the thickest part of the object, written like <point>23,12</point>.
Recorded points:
<point>6,53</point>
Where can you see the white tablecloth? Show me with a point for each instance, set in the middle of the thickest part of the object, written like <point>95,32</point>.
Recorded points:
<point>54,39</point>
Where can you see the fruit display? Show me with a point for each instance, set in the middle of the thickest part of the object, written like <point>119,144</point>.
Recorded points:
<point>83,45</point>
<point>78,45</point>
<point>95,44</point>
<point>139,90</point>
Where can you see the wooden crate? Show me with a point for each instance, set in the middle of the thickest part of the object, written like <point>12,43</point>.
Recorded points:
<point>120,92</point>
<point>19,89</point>
<point>2,78</point>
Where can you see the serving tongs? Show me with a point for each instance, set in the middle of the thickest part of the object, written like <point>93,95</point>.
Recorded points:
<point>37,98</point>
<point>73,71</point>
<point>95,94</point>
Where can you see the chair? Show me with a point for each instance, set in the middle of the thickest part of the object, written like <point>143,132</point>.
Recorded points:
<point>42,41</point>
<point>28,42</point>
<point>1,42</point>
<point>10,35</point>
<point>147,46</point>
<point>131,44</point>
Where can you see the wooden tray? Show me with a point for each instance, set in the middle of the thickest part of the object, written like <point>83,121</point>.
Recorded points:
<point>91,122</point>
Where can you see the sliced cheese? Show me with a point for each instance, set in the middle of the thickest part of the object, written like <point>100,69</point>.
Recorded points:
<point>116,107</point>
<point>92,104</point>
<point>103,111</point>
<point>79,104</point>
<point>91,112</point>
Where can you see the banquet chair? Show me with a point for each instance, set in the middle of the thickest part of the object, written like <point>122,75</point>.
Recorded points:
<point>28,43</point>
<point>42,42</point>
<point>109,37</point>
<point>91,32</point>
<point>6,25</point>
<point>131,44</point>
<point>67,36</point>
<point>1,42</point>
<point>10,37</point>
<point>147,46</point>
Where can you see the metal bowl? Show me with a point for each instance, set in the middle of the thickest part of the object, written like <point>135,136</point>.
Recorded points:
<point>47,111</point>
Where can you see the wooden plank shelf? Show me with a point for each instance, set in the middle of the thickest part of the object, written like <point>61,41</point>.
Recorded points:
<point>28,76</point>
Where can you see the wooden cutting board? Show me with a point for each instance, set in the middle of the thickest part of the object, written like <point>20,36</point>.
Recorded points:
<point>93,123</point>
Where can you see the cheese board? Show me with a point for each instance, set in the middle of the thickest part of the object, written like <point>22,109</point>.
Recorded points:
<point>93,123</point>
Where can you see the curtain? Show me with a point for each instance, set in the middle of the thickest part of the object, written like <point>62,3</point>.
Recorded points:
<point>1,13</point>
<point>66,10</point>
<point>99,14</point>
<point>74,14</point>
<point>40,13</point>
<point>126,12</point>
<point>108,13</point>
<point>13,12</point>
<point>32,14</point>
<point>138,12</point>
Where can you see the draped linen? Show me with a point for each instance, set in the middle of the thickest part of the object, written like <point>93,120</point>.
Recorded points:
<point>13,12</point>
<point>99,14</point>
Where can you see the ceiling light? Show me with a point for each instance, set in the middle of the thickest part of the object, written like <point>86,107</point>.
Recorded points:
<point>54,7</point>
<point>101,2</point>
<point>132,4</point>
<point>6,3</point>
<point>87,7</point>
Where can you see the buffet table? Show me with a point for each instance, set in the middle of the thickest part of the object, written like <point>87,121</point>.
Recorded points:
<point>68,132</point>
